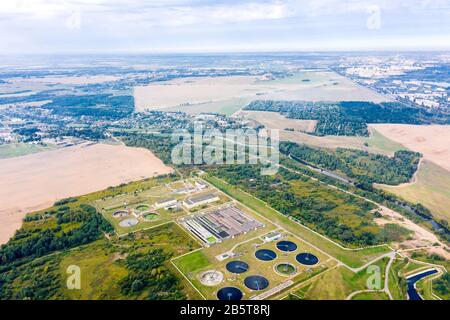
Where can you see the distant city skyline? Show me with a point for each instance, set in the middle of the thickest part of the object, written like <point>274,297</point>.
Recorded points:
<point>191,26</point>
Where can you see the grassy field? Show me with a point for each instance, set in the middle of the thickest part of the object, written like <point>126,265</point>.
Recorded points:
<point>371,296</point>
<point>376,143</point>
<point>338,283</point>
<point>21,149</point>
<point>225,107</point>
<point>103,268</point>
<point>353,258</point>
<point>192,262</point>
<point>431,188</point>
<point>102,263</point>
<point>425,288</point>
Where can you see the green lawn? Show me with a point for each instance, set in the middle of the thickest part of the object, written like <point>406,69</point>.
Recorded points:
<point>21,149</point>
<point>377,295</point>
<point>353,258</point>
<point>192,262</point>
<point>378,141</point>
<point>397,285</point>
<point>340,282</point>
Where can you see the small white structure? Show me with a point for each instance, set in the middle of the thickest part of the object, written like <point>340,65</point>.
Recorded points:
<point>272,236</point>
<point>200,185</point>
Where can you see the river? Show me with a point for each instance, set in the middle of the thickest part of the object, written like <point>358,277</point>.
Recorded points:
<point>412,292</point>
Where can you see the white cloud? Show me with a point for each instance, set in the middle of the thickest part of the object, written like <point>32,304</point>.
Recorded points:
<point>110,24</point>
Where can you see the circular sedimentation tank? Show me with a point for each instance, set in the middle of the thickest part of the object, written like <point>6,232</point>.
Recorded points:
<point>151,216</point>
<point>256,282</point>
<point>308,259</point>
<point>286,246</point>
<point>237,266</point>
<point>286,269</point>
<point>211,277</point>
<point>142,207</point>
<point>120,214</point>
<point>265,255</point>
<point>229,294</point>
<point>128,222</point>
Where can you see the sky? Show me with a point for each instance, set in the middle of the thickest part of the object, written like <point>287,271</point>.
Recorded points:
<point>159,26</point>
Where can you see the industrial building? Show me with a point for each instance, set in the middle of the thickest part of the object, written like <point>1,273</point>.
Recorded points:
<point>166,203</point>
<point>220,224</point>
<point>199,200</point>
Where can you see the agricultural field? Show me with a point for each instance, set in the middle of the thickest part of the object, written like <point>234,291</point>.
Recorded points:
<point>36,181</point>
<point>230,93</point>
<point>275,120</point>
<point>323,86</point>
<point>226,107</point>
<point>375,143</point>
<point>429,187</point>
<point>12,150</point>
<point>430,140</point>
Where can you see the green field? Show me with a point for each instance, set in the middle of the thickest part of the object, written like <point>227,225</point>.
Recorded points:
<point>106,266</point>
<point>353,258</point>
<point>192,262</point>
<point>225,107</point>
<point>338,283</point>
<point>377,141</point>
<point>430,189</point>
<point>109,258</point>
<point>397,284</point>
<point>21,149</point>
<point>371,296</point>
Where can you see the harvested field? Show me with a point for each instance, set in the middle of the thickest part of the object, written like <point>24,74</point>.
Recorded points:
<point>324,86</point>
<point>36,181</point>
<point>376,143</point>
<point>430,188</point>
<point>274,120</point>
<point>192,91</point>
<point>68,80</point>
<point>224,94</point>
<point>433,141</point>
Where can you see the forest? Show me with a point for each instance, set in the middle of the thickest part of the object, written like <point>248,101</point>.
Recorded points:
<point>63,228</point>
<point>147,271</point>
<point>98,105</point>
<point>349,118</point>
<point>160,144</point>
<point>366,168</point>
